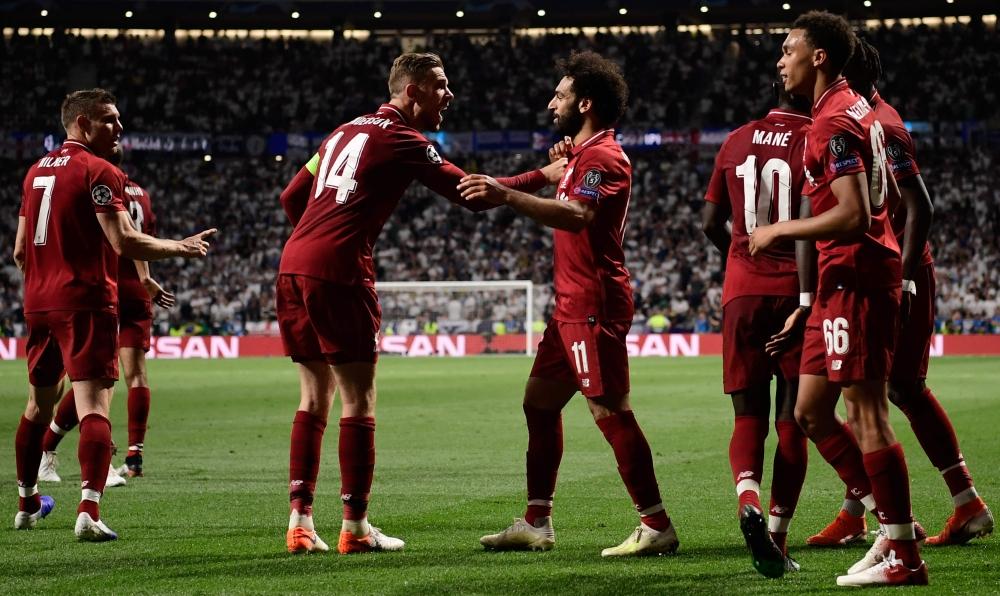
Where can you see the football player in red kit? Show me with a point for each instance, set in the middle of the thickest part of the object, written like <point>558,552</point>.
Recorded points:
<point>583,348</point>
<point>758,181</point>
<point>328,311</point>
<point>850,335</point>
<point>73,209</point>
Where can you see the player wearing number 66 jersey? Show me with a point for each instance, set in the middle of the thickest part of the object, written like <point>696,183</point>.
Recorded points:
<point>71,224</point>
<point>328,311</point>
<point>758,180</point>
<point>850,335</point>
<point>583,348</point>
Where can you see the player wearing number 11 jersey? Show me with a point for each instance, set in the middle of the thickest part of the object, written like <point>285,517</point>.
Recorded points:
<point>851,332</point>
<point>328,311</point>
<point>583,348</point>
<point>758,181</point>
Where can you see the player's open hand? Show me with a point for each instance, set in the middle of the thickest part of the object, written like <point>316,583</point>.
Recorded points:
<point>479,187</point>
<point>555,170</point>
<point>157,294</point>
<point>197,245</point>
<point>763,237</point>
<point>560,149</point>
<point>789,334</point>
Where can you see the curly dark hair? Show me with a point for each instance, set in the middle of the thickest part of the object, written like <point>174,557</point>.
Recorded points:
<point>830,32</point>
<point>599,79</point>
<point>864,69</point>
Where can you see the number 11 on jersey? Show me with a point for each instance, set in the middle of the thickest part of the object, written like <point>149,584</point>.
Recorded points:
<point>580,357</point>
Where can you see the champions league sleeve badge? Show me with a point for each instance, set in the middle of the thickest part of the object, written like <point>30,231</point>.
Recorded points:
<point>838,145</point>
<point>433,155</point>
<point>101,195</point>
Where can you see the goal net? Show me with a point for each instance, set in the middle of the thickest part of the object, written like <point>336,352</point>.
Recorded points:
<point>486,316</point>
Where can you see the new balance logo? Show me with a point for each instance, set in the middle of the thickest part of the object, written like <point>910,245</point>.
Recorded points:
<point>856,492</point>
<point>778,510</point>
<point>837,364</point>
<point>585,382</point>
<point>745,474</point>
<point>345,498</point>
<point>296,483</point>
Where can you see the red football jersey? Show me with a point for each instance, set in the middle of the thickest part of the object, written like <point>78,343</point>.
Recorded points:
<point>365,166</point>
<point>69,264</point>
<point>846,138</point>
<point>758,175</point>
<point>589,266</point>
<point>141,210</point>
<point>901,153</point>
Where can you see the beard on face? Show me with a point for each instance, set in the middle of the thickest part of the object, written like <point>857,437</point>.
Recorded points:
<point>571,123</point>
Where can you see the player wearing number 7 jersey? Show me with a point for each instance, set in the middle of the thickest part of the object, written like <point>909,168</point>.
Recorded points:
<point>758,180</point>
<point>850,335</point>
<point>583,348</point>
<point>71,224</point>
<point>328,311</point>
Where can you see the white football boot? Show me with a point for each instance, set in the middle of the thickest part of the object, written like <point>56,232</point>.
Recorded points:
<point>645,541</point>
<point>114,478</point>
<point>890,572</point>
<point>47,468</point>
<point>523,536</point>
<point>88,530</point>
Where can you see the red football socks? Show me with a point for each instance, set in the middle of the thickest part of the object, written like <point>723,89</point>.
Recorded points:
<point>27,456</point>
<point>890,482</point>
<point>138,414</point>
<point>936,435</point>
<point>303,460</point>
<point>841,451</point>
<point>790,459</point>
<point>545,449</point>
<point>746,458</point>
<point>635,465</point>
<point>94,453</point>
<point>65,419</point>
<point>357,464</point>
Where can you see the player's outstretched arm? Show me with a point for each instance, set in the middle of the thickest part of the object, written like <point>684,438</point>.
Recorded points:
<point>714,217</point>
<point>296,195</point>
<point>572,216</point>
<point>20,246</point>
<point>132,244</point>
<point>850,218</point>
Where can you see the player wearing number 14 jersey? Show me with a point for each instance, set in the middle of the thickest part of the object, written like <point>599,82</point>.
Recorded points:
<point>850,335</point>
<point>328,311</point>
<point>758,181</point>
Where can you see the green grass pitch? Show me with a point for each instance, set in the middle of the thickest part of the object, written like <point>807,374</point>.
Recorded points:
<point>210,517</point>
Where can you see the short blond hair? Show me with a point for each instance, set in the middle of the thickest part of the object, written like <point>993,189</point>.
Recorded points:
<point>411,67</point>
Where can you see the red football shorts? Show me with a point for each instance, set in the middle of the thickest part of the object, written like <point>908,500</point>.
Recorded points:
<point>913,345</point>
<point>851,334</point>
<point>320,320</point>
<point>82,343</point>
<point>591,356</point>
<point>135,324</point>
<point>748,322</point>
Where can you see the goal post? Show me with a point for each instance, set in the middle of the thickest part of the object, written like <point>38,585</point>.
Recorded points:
<point>459,307</point>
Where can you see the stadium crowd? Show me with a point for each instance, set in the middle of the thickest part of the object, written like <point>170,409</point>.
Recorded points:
<point>676,272</point>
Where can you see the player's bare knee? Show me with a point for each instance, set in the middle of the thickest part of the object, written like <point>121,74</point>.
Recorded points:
<point>605,405</point>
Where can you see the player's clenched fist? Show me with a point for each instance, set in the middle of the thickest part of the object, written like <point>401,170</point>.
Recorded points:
<point>560,149</point>
<point>197,245</point>
<point>481,187</point>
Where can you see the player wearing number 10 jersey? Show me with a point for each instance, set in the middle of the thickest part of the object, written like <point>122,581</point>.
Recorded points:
<point>758,181</point>
<point>850,334</point>
<point>328,311</point>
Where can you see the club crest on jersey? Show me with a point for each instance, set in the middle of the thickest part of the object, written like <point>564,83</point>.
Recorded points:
<point>838,145</point>
<point>433,155</point>
<point>101,194</point>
